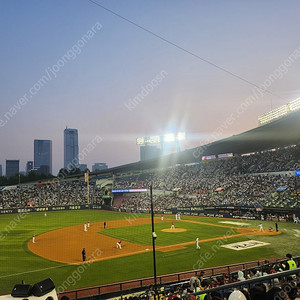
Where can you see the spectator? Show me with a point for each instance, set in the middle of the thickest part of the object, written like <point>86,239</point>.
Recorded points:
<point>257,293</point>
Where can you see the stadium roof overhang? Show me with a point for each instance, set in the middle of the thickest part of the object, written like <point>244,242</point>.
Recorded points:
<point>279,133</point>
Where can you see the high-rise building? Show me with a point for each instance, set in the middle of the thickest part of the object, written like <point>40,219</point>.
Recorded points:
<point>99,167</point>
<point>71,149</point>
<point>43,155</point>
<point>0,170</point>
<point>29,166</point>
<point>12,167</point>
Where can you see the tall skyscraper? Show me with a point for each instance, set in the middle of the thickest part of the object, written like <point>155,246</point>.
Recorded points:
<point>71,148</point>
<point>43,156</point>
<point>12,167</point>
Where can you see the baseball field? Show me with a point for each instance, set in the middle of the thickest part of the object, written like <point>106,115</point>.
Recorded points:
<point>60,238</point>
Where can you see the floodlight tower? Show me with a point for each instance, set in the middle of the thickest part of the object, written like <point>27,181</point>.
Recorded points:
<point>173,140</point>
<point>168,141</point>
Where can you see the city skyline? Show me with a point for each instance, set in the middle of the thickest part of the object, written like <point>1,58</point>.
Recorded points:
<point>42,154</point>
<point>116,77</point>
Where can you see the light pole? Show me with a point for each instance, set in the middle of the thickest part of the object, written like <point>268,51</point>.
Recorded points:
<point>19,188</point>
<point>86,179</point>
<point>296,186</point>
<point>153,241</point>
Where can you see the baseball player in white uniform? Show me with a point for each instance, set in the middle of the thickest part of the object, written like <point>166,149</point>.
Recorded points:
<point>119,244</point>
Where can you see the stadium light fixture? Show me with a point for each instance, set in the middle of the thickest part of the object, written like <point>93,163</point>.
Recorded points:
<point>295,104</point>
<point>181,136</point>
<point>160,139</point>
<point>279,112</point>
<point>169,137</point>
<point>140,141</point>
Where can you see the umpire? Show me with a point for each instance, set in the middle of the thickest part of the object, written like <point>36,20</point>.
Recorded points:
<point>83,254</point>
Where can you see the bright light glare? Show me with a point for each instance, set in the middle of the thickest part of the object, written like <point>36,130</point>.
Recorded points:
<point>181,136</point>
<point>170,137</point>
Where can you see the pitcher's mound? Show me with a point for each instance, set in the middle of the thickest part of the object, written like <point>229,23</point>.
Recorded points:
<point>174,230</point>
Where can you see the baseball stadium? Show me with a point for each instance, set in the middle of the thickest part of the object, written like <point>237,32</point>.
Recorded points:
<point>225,213</point>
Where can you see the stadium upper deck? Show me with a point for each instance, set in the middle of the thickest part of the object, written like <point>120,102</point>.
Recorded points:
<point>279,133</point>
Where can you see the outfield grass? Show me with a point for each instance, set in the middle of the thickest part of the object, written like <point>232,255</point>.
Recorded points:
<point>18,263</point>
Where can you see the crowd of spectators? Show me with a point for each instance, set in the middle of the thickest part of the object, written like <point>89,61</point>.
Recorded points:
<point>248,180</point>
<point>49,194</point>
<point>243,181</point>
<point>284,288</point>
<point>280,288</point>
<point>243,190</point>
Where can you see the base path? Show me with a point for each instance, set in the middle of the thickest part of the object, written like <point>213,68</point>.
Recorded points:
<point>64,245</point>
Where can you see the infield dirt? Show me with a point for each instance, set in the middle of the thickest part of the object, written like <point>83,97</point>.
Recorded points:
<point>64,245</point>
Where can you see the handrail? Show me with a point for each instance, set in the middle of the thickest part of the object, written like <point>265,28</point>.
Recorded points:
<point>249,282</point>
<point>140,283</point>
